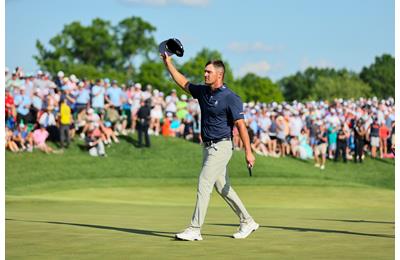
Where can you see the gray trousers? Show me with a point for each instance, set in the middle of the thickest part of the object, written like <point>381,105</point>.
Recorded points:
<point>214,174</point>
<point>97,150</point>
<point>64,135</point>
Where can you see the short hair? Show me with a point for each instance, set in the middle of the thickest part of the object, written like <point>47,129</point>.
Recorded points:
<point>219,64</point>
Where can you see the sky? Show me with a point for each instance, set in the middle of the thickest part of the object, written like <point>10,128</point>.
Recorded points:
<point>273,38</point>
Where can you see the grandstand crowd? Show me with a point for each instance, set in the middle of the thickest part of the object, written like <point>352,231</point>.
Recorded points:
<point>40,109</point>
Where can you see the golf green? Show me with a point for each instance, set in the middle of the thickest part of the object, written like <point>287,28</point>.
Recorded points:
<point>129,223</point>
<point>130,204</point>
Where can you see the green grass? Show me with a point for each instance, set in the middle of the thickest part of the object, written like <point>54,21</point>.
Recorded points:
<point>130,204</point>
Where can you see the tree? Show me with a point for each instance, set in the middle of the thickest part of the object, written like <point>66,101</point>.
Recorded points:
<point>300,86</point>
<point>155,74</point>
<point>98,47</point>
<point>381,76</point>
<point>340,86</point>
<point>193,69</point>
<point>261,89</point>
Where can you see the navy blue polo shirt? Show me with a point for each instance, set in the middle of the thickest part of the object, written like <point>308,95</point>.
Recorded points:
<point>219,110</point>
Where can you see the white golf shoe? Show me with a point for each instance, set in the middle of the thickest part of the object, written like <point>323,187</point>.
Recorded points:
<point>246,229</point>
<point>190,234</point>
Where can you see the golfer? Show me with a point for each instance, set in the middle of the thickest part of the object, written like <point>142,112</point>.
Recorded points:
<point>221,109</point>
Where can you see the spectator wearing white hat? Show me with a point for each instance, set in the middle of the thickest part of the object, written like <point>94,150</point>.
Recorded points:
<point>7,75</point>
<point>136,97</point>
<point>171,102</point>
<point>59,80</point>
<point>13,84</point>
<point>23,103</point>
<point>156,113</point>
<point>83,97</point>
<point>94,142</point>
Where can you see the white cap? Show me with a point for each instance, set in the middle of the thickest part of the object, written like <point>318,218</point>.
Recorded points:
<point>60,74</point>
<point>39,72</point>
<point>73,78</point>
<point>184,97</point>
<point>138,85</point>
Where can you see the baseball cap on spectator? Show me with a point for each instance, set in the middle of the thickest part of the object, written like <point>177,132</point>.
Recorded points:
<point>156,92</point>
<point>184,97</point>
<point>169,115</point>
<point>81,84</point>
<point>138,85</point>
<point>90,111</point>
<point>21,88</point>
<point>149,87</point>
<point>39,73</point>
<point>73,78</point>
<point>173,90</point>
<point>114,81</point>
<point>60,74</point>
<point>107,80</point>
<point>161,94</point>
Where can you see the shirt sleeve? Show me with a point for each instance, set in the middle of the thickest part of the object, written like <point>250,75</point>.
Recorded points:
<point>235,107</point>
<point>194,90</point>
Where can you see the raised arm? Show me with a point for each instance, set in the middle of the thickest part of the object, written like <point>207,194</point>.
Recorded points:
<point>176,75</point>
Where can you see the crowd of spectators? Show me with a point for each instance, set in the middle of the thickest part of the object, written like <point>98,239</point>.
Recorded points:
<point>40,108</point>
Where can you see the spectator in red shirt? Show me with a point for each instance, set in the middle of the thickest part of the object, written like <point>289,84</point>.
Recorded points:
<point>383,136</point>
<point>10,106</point>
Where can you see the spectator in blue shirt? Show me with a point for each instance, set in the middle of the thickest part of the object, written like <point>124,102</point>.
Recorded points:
<point>83,97</point>
<point>23,103</point>
<point>98,93</point>
<point>114,95</point>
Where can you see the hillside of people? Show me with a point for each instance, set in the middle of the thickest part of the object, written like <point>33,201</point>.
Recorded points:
<point>42,109</point>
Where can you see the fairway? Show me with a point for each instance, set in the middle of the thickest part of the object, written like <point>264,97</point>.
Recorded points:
<point>130,204</point>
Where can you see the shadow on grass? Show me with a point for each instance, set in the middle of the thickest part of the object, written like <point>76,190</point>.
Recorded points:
<point>299,229</point>
<point>130,140</point>
<point>387,161</point>
<point>301,160</point>
<point>82,147</point>
<point>358,221</point>
<point>128,230</point>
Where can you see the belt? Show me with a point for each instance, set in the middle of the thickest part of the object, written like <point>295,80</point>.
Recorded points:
<point>214,141</point>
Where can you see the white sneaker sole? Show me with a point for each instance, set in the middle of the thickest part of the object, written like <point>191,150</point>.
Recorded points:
<point>188,238</point>
<point>256,226</point>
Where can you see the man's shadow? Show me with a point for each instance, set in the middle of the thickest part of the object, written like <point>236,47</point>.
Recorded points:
<point>145,232</point>
<point>301,229</point>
